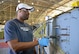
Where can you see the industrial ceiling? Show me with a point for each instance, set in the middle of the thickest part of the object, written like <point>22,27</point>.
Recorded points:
<point>7,9</point>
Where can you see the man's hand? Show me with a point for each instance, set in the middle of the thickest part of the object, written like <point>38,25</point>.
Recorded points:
<point>35,40</point>
<point>43,41</point>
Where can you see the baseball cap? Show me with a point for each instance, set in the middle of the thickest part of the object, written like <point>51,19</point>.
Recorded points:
<point>23,5</point>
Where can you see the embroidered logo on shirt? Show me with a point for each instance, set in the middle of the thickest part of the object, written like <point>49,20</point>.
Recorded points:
<point>25,28</point>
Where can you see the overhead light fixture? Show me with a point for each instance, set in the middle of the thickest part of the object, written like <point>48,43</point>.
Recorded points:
<point>19,1</point>
<point>2,1</point>
<point>37,10</point>
<point>4,21</point>
<point>32,3</point>
<point>32,22</point>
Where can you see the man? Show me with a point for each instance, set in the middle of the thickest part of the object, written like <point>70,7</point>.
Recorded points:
<point>18,35</point>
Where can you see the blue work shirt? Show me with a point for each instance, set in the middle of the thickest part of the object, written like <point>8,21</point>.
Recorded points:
<point>14,29</point>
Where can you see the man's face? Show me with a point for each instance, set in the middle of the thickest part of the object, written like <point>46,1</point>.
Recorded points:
<point>24,14</point>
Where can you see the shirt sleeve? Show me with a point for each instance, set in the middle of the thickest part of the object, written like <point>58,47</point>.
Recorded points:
<point>10,32</point>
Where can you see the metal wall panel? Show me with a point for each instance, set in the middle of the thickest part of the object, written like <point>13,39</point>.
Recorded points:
<point>68,31</point>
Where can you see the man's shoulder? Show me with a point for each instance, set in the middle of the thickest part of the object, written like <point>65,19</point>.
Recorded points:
<point>10,22</point>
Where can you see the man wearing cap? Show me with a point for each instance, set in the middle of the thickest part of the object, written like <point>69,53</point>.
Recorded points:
<point>18,35</point>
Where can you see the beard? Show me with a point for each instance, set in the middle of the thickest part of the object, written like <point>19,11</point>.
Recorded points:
<point>25,17</point>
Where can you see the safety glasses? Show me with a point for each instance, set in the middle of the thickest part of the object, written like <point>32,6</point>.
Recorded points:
<point>25,10</point>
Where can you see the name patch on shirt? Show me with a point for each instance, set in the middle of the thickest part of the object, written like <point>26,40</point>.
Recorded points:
<point>25,28</point>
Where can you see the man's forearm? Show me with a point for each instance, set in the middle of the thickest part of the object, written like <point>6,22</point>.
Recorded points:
<point>23,45</point>
<point>17,46</point>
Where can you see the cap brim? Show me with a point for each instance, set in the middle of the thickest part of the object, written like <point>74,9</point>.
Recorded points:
<point>32,9</point>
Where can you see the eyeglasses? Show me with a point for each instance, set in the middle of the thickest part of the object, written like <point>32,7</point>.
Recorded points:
<point>25,10</point>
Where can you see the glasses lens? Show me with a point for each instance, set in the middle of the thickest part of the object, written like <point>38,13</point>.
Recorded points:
<point>24,9</point>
